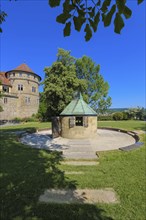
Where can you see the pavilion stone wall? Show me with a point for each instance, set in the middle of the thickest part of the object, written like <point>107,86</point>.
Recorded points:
<point>80,132</point>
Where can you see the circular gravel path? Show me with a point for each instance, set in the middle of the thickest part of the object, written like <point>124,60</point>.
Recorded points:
<point>79,148</point>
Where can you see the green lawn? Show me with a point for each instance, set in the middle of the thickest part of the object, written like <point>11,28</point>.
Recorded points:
<point>31,126</point>
<point>26,173</point>
<point>127,125</point>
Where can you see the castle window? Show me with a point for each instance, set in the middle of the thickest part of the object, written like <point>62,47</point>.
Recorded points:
<point>33,89</point>
<point>27,100</point>
<point>5,88</point>
<point>5,100</point>
<point>38,101</point>
<point>20,87</point>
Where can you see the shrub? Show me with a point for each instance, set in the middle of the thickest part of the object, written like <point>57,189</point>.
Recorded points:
<point>105,118</point>
<point>17,119</point>
<point>118,116</point>
<point>30,119</point>
<point>125,115</point>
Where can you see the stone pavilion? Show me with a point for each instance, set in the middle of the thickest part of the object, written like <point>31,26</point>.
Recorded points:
<point>78,120</point>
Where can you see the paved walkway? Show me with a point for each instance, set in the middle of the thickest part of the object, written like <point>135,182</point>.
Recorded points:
<point>79,148</point>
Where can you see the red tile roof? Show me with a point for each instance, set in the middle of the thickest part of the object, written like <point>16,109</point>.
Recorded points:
<point>4,80</point>
<point>23,67</point>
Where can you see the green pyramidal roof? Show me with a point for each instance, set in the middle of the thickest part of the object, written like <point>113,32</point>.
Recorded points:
<point>78,107</point>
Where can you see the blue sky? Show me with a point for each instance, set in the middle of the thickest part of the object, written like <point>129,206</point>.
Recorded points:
<point>31,35</point>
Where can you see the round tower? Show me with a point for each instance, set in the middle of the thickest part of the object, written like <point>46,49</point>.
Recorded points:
<point>25,84</point>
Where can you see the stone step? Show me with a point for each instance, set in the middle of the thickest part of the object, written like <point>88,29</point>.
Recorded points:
<point>81,196</point>
<point>80,163</point>
<point>80,155</point>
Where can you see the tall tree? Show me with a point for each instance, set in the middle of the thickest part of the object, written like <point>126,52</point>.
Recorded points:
<point>96,92</point>
<point>136,113</point>
<point>64,56</point>
<point>88,14</point>
<point>42,108</point>
<point>68,75</point>
<point>60,83</point>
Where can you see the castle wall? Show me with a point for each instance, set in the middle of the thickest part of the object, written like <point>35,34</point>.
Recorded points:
<point>78,131</point>
<point>9,105</point>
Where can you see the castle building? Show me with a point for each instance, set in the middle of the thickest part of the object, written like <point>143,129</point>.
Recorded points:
<point>20,94</point>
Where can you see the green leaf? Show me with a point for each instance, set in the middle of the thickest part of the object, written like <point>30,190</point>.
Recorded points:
<point>67,7</point>
<point>78,22</point>
<point>92,24</point>
<point>118,23</point>
<point>98,3</point>
<point>89,8</point>
<point>127,12</point>
<point>81,12</point>
<point>92,13</point>
<point>88,32</point>
<point>139,1</point>
<point>97,18</point>
<point>63,17</point>
<point>108,17</point>
<point>105,5</point>
<point>67,29</point>
<point>53,3</point>
<point>103,16</point>
<point>121,5</point>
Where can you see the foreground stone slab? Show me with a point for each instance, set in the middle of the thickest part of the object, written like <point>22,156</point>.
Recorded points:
<point>80,163</point>
<point>74,172</point>
<point>90,196</point>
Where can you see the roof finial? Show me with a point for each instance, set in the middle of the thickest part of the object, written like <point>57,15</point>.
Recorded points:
<point>78,95</point>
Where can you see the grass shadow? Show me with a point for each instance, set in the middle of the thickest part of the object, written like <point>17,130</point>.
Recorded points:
<point>25,174</point>
<point>142,127</point>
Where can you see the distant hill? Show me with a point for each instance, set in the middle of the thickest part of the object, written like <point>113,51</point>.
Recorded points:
<point>112,110</point>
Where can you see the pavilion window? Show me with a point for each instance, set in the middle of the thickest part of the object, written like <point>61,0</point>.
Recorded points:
<point>79,121</point>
